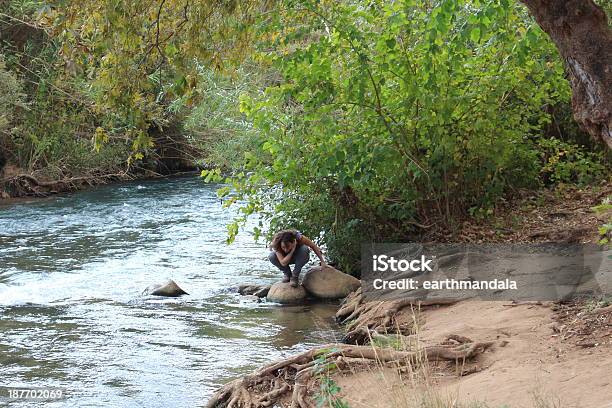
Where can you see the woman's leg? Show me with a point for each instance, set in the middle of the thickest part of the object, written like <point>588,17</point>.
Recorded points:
<point>286,270</point>
<point>301,256</point>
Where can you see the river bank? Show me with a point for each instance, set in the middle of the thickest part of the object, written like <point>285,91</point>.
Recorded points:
<point>538,357</point>
<point>463,354</point>
<point>516,355</point>
<point>16,185</point>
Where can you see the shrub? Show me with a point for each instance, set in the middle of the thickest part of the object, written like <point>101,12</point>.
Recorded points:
<point>11,97</point>
<point>564,162</point>
<point>391,117</point>
<point>215,124</point>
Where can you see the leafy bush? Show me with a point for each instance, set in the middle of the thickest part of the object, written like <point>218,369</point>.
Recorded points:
<point>11,97</point>
<point>605,230</point>
<point>215,124</point>
<point>564,162</point>
<point>52,133</point>
<point>55,134</point>
<point>394,116</point>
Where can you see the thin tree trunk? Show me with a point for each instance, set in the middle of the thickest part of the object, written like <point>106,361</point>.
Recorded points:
<point>580,30</point>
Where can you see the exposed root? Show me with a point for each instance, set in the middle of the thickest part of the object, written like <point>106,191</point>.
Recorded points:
<point>462,352</point>
<point>299,398</point>
<point>288,381</point>
<point>377,317</point>
<point>458,339</point>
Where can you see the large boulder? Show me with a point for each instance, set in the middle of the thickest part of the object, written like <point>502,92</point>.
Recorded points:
<point>282,292</point>
<point>329,283</point>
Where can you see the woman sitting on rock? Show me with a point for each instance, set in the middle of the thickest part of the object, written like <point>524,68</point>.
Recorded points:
<point>291,247</point>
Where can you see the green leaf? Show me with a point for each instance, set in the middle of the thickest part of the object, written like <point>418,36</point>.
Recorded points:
<point>475,34</point>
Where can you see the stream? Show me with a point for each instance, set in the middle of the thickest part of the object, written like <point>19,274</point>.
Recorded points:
<point>72,313</point>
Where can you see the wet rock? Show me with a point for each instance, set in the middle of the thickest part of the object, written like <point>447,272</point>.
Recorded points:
<point>257,290</point>
<point>282,292</point>
<point>168,289</point>
<point>263,292</point>
<point>329,283</point>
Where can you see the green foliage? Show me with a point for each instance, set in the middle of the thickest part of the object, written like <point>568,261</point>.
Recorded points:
<point>327,395</point>
<point>53,129</point>
<point>56,134</point>
<point>605,206</point>
<point>215,124</point>
<point>211,176</point>
<point>142,57</point>
<point>395,114</point>
<point>353,121</point>
<point>605,230</point>
<point>23,8</point>
<point>564,162</point>
<point>11,97</point>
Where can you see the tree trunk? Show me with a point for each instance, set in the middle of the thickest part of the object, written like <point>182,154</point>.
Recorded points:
<point>580,30</point>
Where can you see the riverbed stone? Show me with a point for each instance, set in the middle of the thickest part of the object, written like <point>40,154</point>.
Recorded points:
<point>168,289</point>
<point>282,292</point>
<point>329,283</point>
<point>260,291</point>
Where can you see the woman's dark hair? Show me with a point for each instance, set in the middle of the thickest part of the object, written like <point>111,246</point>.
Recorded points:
<point>282,236</point>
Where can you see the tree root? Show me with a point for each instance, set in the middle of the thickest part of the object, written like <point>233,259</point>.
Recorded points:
<point>363,318</point>
<point>286,382</point>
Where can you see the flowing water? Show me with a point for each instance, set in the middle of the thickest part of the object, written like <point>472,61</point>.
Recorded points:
<point>72,270</point>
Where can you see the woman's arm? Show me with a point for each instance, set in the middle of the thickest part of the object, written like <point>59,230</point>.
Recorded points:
<point>285,259</point>
<point>306,241</point>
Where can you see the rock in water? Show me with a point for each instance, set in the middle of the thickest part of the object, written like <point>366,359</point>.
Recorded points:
<point>257,290</point>
<point>169,289</point>
<point>282,292</point>
<point>329,283</point>
<point>263,292</point>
